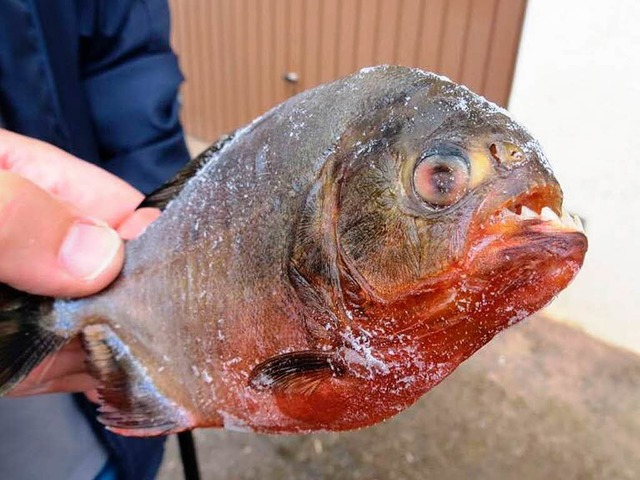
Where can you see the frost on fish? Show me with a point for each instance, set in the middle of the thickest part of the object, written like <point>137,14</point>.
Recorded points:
<point>306,277</point>
<point>235,424</point>
<point>358,352</point>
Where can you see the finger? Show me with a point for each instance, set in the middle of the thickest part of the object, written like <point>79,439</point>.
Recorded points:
<point>93,396</point>
<point>64,363</point>
<point>79,183</point>
<point>67,361</point>
<point>137,222</point>
<point>75,383</point>
<point>47,248</point>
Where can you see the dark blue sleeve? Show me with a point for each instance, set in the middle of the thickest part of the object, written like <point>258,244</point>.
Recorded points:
<point>131,79</point>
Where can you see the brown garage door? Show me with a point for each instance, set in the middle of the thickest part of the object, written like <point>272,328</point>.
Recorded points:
<point>237,54</point>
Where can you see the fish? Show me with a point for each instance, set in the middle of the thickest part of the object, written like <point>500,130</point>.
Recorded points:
<point>321,268</point>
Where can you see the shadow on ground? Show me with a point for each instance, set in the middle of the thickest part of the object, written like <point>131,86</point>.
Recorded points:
<point>542,401</point>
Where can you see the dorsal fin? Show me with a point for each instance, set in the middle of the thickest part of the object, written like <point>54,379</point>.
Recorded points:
<point>161,197</point>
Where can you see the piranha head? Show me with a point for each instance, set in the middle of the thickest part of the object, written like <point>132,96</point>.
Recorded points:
<point>448,211</point>
<point>435,223</point>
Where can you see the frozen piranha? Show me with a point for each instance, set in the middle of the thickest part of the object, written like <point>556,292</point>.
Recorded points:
<point>322,268</point>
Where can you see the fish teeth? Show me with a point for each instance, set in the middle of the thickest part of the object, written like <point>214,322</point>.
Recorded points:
<point>578,223</point>
<point>571,221</point>
<point>506,212</point>
<point>549,215</point>
<point>566,219</point>
<point>528,214</point>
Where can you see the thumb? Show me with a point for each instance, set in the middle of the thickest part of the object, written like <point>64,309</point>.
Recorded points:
<point>48,248</point>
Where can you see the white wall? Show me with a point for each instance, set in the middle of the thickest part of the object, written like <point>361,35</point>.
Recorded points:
<point>577,87</point>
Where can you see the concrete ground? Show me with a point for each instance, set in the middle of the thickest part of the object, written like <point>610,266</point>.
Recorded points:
<point>541,401</point>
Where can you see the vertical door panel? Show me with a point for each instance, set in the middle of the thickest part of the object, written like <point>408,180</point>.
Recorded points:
<point>242,57</point>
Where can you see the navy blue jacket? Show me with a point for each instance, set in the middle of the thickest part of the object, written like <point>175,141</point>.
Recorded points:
<point>98,79</point>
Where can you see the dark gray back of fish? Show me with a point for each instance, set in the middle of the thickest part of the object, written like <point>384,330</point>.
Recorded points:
<point>234,219</point>
<point>262,176</point>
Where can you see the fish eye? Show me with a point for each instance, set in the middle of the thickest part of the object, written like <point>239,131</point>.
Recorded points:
<point>441,180</point>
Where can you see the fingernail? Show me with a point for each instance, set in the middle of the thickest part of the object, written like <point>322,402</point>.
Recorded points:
<point>89,248</point>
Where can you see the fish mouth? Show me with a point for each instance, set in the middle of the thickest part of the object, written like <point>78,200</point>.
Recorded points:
<point>524,253</point>
<point>527,224</point>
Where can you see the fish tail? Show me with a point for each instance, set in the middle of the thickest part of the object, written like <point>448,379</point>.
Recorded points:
<point>24,339</point>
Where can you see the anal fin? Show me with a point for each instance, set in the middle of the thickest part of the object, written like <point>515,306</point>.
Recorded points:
<point>132,405</point>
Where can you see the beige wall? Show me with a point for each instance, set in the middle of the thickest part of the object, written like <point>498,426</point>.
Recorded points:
<point>577,87</point>
<point>235,53</point>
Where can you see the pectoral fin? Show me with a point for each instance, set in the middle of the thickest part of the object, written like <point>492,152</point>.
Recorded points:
<point>132,404</point>
<point>295,372</point>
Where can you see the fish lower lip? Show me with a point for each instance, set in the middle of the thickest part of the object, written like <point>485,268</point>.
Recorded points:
<point>539,243</point>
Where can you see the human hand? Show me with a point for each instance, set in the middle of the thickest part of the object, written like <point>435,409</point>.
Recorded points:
<point>62,224</point>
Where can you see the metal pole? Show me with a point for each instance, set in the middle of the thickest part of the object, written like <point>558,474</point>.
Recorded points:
<point>188,455</point>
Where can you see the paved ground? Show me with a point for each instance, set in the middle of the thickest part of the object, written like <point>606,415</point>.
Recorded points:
<point>542,401</point>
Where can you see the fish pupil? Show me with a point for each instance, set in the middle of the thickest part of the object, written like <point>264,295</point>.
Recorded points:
<point>442,179</point>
